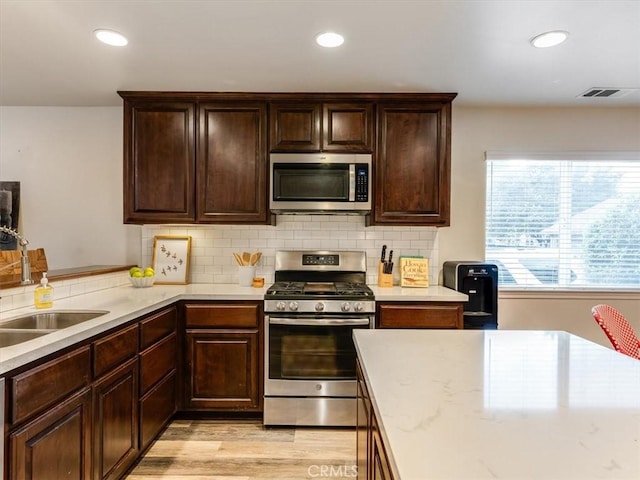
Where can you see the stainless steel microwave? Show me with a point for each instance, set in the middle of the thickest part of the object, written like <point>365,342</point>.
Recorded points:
<point>320,183</point>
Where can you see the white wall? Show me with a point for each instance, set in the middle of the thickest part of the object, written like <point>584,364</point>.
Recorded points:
<point>477,130</point>
<point>69,165</point>
<point>69,161</point>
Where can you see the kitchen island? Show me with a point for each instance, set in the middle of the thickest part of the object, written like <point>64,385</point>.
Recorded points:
<point>461,405</point>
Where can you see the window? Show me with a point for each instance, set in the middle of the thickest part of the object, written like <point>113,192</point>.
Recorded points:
<point>564,221</point>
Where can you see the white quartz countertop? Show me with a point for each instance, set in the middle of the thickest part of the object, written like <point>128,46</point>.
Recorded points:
<point>434,293</point>
<point>525,405</point>
<point>126,303</point>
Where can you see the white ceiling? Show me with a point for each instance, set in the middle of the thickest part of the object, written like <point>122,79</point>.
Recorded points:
<point>479,49</point>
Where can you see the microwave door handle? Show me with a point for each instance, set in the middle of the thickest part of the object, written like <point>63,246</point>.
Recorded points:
<point>320,322</point>
<point>352,182</point>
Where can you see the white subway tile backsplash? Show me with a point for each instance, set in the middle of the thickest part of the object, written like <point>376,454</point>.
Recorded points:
<point>213,245</point>
<point>21,297</point>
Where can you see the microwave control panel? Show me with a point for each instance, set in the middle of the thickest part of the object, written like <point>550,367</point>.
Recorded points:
<point>362,182</point>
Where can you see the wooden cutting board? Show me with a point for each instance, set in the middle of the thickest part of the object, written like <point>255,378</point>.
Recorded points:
<point>37,258</point>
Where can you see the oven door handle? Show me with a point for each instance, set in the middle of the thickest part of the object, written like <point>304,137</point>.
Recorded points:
<point>320,322</point>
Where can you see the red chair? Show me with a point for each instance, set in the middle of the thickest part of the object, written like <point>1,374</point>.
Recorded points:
<point>617,329</point>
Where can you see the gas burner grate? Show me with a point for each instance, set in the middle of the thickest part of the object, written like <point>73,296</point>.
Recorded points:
<point>347,288</point>
<point>286,288</point>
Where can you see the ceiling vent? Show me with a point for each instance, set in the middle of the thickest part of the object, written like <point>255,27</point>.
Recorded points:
<point>599,92</point>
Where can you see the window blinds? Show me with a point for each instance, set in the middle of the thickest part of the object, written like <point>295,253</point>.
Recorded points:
<point>566,220</point>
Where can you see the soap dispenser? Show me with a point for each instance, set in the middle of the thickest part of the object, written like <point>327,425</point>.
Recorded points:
<point>43,295</point>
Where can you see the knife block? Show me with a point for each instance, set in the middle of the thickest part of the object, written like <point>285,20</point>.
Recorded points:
<point>384,279</point>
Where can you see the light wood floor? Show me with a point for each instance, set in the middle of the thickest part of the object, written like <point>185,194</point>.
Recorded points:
<point>245,450</point>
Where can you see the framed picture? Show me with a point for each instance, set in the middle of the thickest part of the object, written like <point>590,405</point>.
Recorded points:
<point>9,213</point>
<point>171,255</point>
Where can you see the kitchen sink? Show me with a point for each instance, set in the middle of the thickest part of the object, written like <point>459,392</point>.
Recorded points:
<point>14,337</point>
<point>51,320</point>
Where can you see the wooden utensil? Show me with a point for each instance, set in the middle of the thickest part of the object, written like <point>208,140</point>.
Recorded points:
<point>254,258</point>
<point>238,258</point>
<point>246,258</point>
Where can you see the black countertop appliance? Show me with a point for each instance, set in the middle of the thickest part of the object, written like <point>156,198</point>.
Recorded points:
<point>480,282</point>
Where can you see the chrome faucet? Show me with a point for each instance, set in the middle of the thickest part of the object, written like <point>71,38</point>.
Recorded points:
<point>25,265</point>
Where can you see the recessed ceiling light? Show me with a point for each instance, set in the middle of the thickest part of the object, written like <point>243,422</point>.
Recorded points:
<point>110,37</point>
<point>329,39</point>
<point>549,39</point>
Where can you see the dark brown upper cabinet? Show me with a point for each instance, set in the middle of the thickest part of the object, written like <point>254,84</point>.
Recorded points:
<point>194,158</point>
<point>321,126</point>
<point>231,177</point>
<point>202,157</point>
<point>413,163</point>
<point>159,161</point>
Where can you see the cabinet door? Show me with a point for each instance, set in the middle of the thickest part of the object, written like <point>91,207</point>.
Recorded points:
<point>347,127</point>
<point>232,161</point>
<point>419,315</point>
<point>159,162</point>
<point>379,468</point>
<point>157,407</point>
<point>56,444</point>
<point>412,171</point>
<point>363,427</point>
<point>223,370</point>
<point>294,127</point>
<point>115,421</point>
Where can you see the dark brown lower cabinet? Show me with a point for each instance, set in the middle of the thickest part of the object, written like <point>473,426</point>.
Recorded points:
<point>379,464</point>
<point>371,457</point>
<point>363,427</point>
<point>223,368</point>
<point>158,383</point>
<point>157,407</point>
<point>115,421</point>
<point>419,315</point>
<point>223,356</point>
<point>57,444</point>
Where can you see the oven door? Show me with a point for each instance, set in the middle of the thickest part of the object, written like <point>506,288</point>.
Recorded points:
<point>311,356</point>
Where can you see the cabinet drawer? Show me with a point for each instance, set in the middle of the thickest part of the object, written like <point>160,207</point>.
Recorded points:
<point>156,408</point>
<point>157,326</point>
<point>222,316</point>
<point>48,383</point>
<point>156,362</point>
<point>114,349</point>
<point>424,315</point>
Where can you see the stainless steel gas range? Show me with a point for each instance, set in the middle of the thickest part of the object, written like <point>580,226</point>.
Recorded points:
<point>318,298</point>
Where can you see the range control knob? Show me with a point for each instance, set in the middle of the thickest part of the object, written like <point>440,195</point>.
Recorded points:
<point>293,306</point>
<point>281,306</point>
<point>358,307</point>
<point>319,307</point>
<point>345,307</point>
